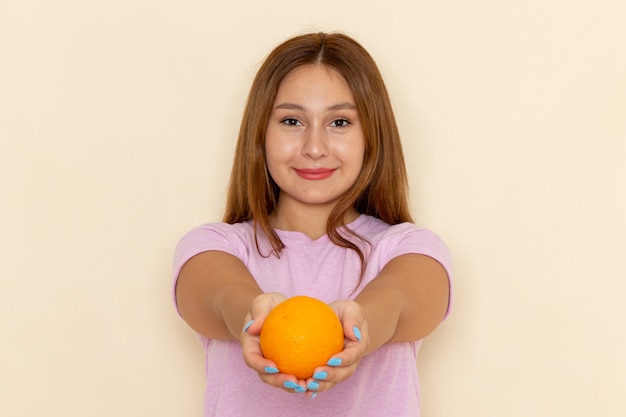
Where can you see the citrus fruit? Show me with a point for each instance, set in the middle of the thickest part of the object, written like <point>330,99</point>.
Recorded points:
<point>300,334</point>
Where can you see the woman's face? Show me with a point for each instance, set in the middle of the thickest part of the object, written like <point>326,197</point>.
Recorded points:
<point>314,142</point>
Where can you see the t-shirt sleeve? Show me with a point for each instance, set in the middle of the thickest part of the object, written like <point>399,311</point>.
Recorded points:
<point>412,239</point>
<point>214,236</point>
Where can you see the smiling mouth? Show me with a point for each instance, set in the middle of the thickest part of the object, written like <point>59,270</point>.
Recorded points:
<point>315,174</point>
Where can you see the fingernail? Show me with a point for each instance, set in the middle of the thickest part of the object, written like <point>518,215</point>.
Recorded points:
<point>334,362</point>
<point>290,385</point>
<point>247,326</point>
<point>271,370</point>
<point>357,333</point>
<point>322,375</point>
<point>299,389</point>
<point>314,395</point>
<point>313,385</point>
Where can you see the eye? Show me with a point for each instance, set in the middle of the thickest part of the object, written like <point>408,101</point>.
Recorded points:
<point>290,121</point>
<point>340,123</point>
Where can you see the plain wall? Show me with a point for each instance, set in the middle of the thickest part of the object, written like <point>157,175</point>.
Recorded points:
<point>117,127</point>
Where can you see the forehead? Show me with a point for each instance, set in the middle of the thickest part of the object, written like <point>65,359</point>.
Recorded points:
<point>309,79</point>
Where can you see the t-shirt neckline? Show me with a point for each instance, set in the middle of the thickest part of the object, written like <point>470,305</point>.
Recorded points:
<point>295,234</point>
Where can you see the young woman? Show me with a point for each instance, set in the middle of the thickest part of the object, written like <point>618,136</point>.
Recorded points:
<point>317,206</point>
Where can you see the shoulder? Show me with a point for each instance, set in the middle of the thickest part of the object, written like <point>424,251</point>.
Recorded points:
<point>399,239</point>
<point>213,233</point>
<point>375,229</point>
<point>218,228</point>
<point>231,238</point>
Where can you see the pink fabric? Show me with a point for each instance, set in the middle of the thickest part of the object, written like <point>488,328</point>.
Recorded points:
<point>385,383</point>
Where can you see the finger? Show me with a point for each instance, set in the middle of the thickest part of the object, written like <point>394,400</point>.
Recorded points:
<point>251,351</point>
<point>352,329</point>
<point>319,382</point>
<point>259,310</point>
<point>252,355</point>
<point>352,319</point>
<point>270,374</point>
<point>252,325</point>
<point>338,368</point>
<point>352,352</point>
<point>294,387</point>
<point>327,377</point>
<point>288,383</point>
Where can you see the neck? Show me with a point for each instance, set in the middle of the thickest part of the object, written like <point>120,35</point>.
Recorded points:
<point>310,220</point>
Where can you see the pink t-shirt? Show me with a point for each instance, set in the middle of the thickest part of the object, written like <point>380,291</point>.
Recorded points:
<point>386,382</point>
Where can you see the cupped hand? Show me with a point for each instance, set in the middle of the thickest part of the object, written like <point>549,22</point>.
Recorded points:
<point>251,347</point>
<point>343,365</point>
<point>339,368</point>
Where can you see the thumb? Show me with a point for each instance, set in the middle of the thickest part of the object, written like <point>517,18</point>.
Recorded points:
<point>259,309</point>
<point>352,319</point>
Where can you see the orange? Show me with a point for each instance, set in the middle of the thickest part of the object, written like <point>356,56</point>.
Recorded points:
<point>300,334</point>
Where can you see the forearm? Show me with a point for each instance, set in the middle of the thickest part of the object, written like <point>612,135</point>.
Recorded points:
<point>382,307</point>
<point>214,292</point>
<point>232,303</point>
<point>406,301</point>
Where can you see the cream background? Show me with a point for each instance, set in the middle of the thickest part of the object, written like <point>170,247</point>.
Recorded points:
<point>117,126</point>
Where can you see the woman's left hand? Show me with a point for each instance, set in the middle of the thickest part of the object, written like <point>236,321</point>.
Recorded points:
<point>343,365</point>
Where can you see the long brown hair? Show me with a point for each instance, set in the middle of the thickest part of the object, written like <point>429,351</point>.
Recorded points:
<point>381,190</point>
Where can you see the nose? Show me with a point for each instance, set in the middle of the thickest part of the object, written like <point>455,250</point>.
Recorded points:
<point>315,143</point>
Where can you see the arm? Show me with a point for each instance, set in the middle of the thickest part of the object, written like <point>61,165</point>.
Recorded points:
<point>216,295</point>
<point>214,292</point>
<point>404,303</point>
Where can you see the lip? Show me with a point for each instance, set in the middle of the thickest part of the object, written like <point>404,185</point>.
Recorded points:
<point>315,174</point>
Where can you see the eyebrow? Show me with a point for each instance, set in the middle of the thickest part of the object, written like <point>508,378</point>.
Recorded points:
<point>293,106</point>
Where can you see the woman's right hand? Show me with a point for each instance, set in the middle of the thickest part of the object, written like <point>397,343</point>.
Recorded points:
<point>251,347</point>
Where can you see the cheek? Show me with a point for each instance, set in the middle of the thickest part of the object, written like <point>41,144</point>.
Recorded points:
<point>353,153</point>
<point>276,159</point>
<point>272,152</point>
<point>359,160</point>
<point>279,148</point>
<point>270,161</point>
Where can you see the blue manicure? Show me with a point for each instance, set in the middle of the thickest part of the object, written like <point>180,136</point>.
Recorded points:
<point>271,370</point>
<point>299,389</point>
<point>334,362</point>
<point>290,385</point>
<point>314,395</point>
<point>357,333</point>
<point>313,385</point>
<point>247,326</point>
<point>322,375</point>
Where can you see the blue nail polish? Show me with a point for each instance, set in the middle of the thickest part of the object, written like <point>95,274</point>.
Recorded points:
<point>334,362</point>
<point>247,326</point>
<point>320,375</point>
<point>357,333</point>
<point>299,389</point>
<point>290,385</point>
<point>271,370</point>
<point>314,395</point>
<point>313,385</point>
